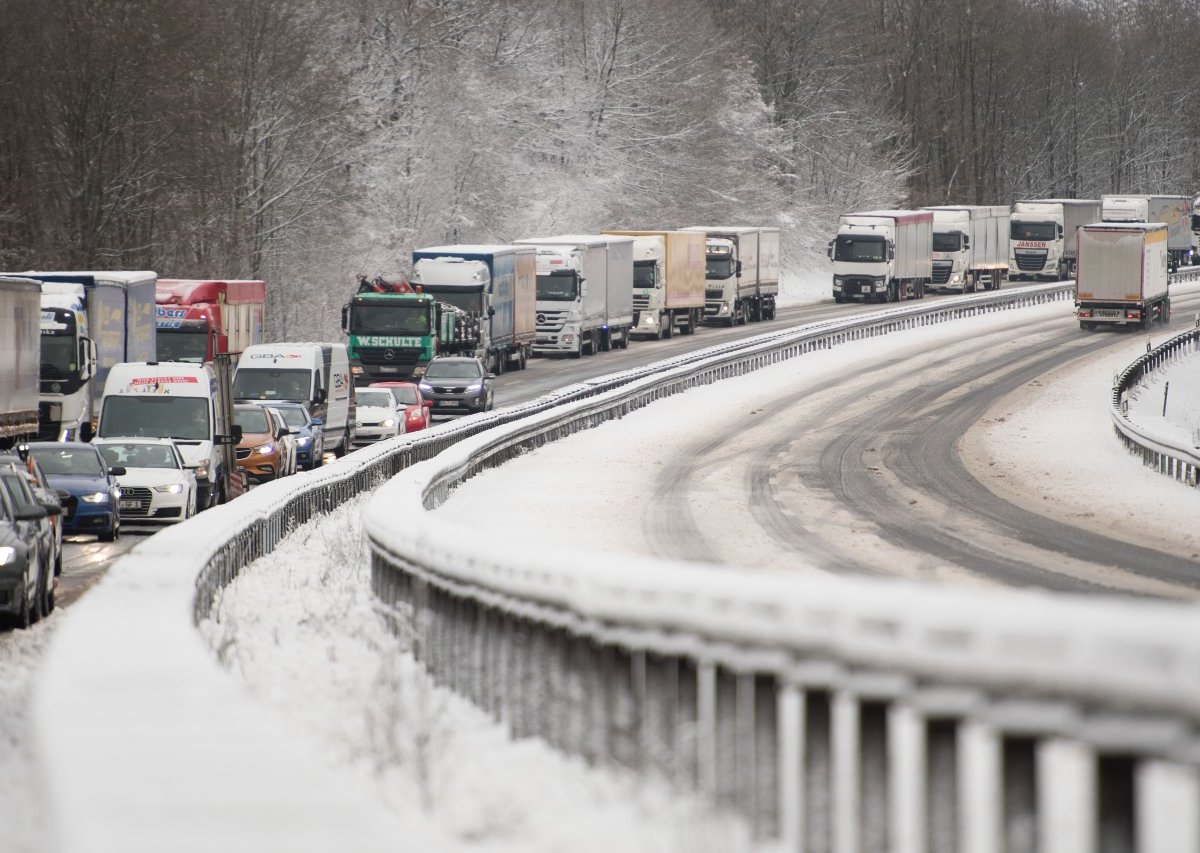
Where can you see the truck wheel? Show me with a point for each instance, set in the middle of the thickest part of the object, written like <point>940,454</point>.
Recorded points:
<point>668,331</point>
<point>577,353</point>
<point>522,359</point>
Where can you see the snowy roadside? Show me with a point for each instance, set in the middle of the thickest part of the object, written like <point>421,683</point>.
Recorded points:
<point>1181,400</point>
<point>301,630</point>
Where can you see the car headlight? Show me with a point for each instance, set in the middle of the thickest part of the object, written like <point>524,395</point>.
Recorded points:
<point>265,449</point>
<point>415,415</point>
<point>474,387</point>
<point>201,472</point>
<point>174,488</point>
<point>304,441</point>
<point>390,422</point>
<point>7,555</point>
<point>426,387</point>
<point>95,498</point>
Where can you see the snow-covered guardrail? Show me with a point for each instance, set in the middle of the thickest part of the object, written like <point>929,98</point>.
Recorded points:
<point>146,745</point>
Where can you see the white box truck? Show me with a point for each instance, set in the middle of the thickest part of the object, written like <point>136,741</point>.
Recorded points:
<point>1042,237</point>
<point>1123,275</point>
<point>970,247</point>
<point>1174,211</point>
<point>668,281</point>
<point>741,272</point>
<point>584,293</point>
<point>20,310</point>
<point>883,255</point>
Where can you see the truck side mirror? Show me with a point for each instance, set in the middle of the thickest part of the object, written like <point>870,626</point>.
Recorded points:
<point>891,252</point>
<point>85,431</point>
<point>346,318</point>
<point>738,270</point>
<point>829,250</point>
<point>966,242</point>
<point>491,311</point>
<point>1060,232</point>
<point>319,396</point>
<point>87,358</point>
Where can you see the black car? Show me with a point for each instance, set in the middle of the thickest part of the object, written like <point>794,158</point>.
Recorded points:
<point>457,385</point>
<point>47,496</point>
<point>26,575</point>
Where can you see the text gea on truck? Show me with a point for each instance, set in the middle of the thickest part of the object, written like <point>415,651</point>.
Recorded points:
<point>198,319</point>
<point>1123,275</point>
<point>882,255</point>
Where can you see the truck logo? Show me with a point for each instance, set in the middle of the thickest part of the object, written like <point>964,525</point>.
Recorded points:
<point>275,355</point>
<point>1031,244</point>
<point>389,355</point>
<point>170,312</point>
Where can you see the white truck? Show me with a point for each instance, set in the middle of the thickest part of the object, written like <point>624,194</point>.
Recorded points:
<point>884,255</point>
<point>1042,237</point>
<point>742,273</point>
<point>1123,274</point>
<point>584,293</point>
<point>668,281</point>
<point>970,247</point>
<point>20,301</point>
<point>1174,211</point>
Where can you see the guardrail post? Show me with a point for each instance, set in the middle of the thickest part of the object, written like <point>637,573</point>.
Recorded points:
<point>979,787</point>
<point>766,748</point>
<point>1167,808</point>
<point>909,779</point>
<point>943,782</point>
<point>1066,797</point>
<point>725,727</point>
<point>706,728</point>
<point>791,757</point>
<point>846,755</point>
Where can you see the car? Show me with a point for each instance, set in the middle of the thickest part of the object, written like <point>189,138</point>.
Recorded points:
<point>80,470</point>
<point>157,484</point>
<point>414,408</point>
<point>48,497</point>
<point>375,417</point>
<point>26,578</point>
<point>286,439</point>
<point>457,385</point>
<point>310,437</point>
<point>260,454</point>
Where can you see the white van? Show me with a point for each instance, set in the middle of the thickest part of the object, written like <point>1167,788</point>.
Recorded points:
<point>315,374</point>
<point>173,400</point>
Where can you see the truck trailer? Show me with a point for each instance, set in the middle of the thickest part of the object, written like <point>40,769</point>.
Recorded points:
<point>668,281</point>
<point>883,255</point>
<point>198,319</point>
<point>970,247</point>
<point>1123,274</point>
<point>496,286</point>
<point>584,293</point>
<point>741,273</point>
<point>1174,211</point>
<point>1042,237</point>
<point>20,358</point>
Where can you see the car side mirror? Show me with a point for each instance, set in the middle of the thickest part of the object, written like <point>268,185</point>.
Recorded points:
<point>427,404</point>
<point>491,376</point>
<point>30,513</point>
<point>118,471</point>
<point>829,250</point>
<point>48,501</point>
<point>318,422</point>
<point>280,433</point>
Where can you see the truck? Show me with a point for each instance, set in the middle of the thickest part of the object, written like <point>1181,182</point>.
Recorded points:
<point>970,247</point>
<point>197,319</point>
<point>1174,211</point>
<point>191,404</point>
<point>883,255</point>
<point>20,358</point>
<point>668,281</point>
<point>90,321</point>
<point>495,286</point>
<point>1042,237</point>
<point>584,293</point>
<point>741,273</point>
<point>1123,274</point>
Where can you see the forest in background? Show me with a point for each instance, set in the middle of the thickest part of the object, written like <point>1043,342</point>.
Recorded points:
<point>304,141</point>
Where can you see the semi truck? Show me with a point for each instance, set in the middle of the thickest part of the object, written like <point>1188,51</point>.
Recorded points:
<point>882,255</point>
<point>584,293</point>
<point>1174,211</point>
<point>668,281</point>
<point>90,321</point>
<point>1042,240</point>
<point>198,319</point>
<point>741,273</point>
<point>495,286</point>
<point>970,247</point>
<point>1123,274</point>
<point>20,357</point>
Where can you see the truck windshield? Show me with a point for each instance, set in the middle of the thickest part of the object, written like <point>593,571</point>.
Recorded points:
<point>470,301</point>
<point>643,274</point>
<point>380,318</point>
<point>718,267</point>
<point>850,247</point>
<point>58,355</point>
<point>557,287</point>
<point>1032,231</point>
<point>272,384</point>
<point>155,416</point>
<point>1196,222</point>
<point>182,345</point>
<point>947,242</point>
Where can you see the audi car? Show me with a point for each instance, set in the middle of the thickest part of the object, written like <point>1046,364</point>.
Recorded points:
<point>79,470</point>
<point>156,485</point>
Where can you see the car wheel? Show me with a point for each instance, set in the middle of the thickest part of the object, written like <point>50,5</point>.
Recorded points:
<point>47,594</point>
<point>110,535</point>
<point>37,610</point>
<point>23,619</point>
<point>58,563</point>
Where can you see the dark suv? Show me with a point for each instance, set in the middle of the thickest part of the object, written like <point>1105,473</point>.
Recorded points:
<point>457,385</point>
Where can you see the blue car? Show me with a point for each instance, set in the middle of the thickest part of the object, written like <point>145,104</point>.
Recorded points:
<point>310,440</point>
<point>94,496</point>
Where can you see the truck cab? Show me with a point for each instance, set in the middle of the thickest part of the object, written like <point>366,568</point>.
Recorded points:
<point>197,319</point>
<point>1037,242</point>
<point>392,333</point>
<point>68,357</point>
<point>649,297</point>
<point>951,250</point>
<point>463,284</point>
<point>561,290</point>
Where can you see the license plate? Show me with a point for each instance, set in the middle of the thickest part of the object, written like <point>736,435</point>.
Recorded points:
<point>449,403</point>
<point>1108,312</point>
<point>131,504</point>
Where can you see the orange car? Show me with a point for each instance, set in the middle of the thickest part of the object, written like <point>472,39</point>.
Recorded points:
<point>262,455</point>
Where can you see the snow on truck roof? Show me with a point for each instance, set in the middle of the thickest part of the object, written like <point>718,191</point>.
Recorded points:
<point>121,276</point>
<point>467,249</point>
<point>573,240</point>
<point>183,291</point>
<point>1126,226</point>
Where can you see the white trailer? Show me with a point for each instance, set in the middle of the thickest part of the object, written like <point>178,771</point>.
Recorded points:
<point>741,273</point>
<point>970,247</point>
<point>1042,236</point>
<point>884,255</point>
<point>668,281</point>
<point>584,293</point>
<point>1123,275</point>
<point>1174,211</point>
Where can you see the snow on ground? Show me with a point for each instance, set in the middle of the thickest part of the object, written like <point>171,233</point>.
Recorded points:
<point>804,286</point>
<point>301,629</point>
<point>1182,398</point>
<point>1058,449</point>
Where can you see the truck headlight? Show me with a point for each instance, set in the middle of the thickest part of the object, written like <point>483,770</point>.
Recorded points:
<point>95,498</point>
<point>650,321</point>
<point>955,279</point>
<point>880,286</point>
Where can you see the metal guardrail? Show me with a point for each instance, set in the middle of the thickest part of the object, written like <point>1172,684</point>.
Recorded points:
<point>834,714</point>
<point>155,672</point>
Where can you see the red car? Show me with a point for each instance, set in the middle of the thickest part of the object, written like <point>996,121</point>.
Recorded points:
<point>408,397</point>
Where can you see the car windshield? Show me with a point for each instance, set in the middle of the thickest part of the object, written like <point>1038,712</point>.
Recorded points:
<point>139,455</point>
<point>155,416</point>
<point>68,460</point>
<point>404,394</point>
<point>251,419</point>
<point>272,384</point>
<point>379,398</point>
<point>294,417</point>
<point>453,370</point>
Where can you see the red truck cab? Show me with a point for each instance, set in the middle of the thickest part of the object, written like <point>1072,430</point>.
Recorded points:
<point>197,319</point>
